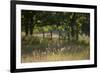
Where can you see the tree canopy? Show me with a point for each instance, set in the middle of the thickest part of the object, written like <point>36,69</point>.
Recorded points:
<point>73,23</point>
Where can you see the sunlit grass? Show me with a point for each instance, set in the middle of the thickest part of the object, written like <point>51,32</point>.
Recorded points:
<point>83,55</point>
<point>54,50</point>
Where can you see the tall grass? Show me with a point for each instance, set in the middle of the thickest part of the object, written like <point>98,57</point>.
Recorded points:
<point>37,49</point>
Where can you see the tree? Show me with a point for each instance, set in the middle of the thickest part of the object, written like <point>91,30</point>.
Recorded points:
<point>72,23</point>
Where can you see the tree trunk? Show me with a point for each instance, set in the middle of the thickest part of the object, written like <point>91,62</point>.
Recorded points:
<point>43,35</point>
<point>26,29</point>
<point>73,22</point>
<point>77,31</point>
<point>59,35</point>
<point>72,31</point>
<point>31,28</point>
<point>51,34</point>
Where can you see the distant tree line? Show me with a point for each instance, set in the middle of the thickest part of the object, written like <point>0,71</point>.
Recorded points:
<point>73,23</point>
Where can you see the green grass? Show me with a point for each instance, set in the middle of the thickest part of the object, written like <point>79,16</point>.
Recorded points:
<point>54,50</point>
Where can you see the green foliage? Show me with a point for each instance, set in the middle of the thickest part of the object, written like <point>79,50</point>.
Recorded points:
<point>46,21</point>
<point>64,33</point>
<point>35,41</point>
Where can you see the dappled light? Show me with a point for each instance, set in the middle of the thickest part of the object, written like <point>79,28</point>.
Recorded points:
<point>54,36</point>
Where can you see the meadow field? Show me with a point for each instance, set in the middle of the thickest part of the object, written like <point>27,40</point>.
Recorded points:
<point>54,36</point>
<point>37,49</point>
